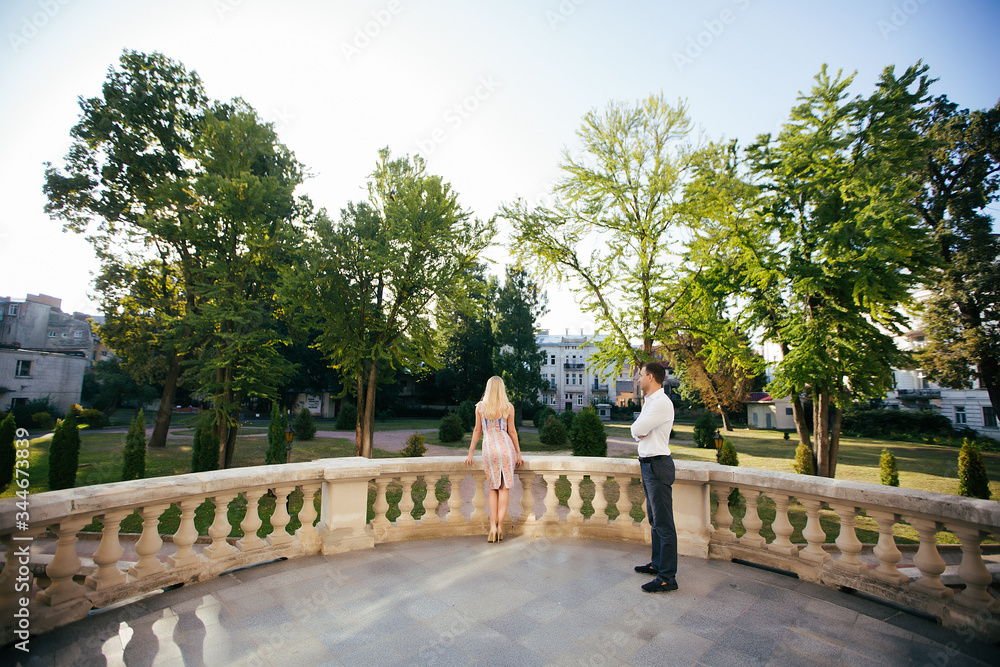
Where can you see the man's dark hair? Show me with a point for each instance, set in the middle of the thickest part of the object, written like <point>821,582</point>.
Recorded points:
<point>657,371</point>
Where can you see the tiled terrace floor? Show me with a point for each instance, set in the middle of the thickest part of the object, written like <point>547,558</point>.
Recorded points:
<point>459,601</point>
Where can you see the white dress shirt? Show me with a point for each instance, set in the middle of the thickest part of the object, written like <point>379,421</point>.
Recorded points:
<point>654,422</point>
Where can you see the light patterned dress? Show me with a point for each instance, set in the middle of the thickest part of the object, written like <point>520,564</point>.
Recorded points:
<point>498,453</point>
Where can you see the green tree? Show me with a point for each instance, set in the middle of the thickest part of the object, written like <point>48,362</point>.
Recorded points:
<point>205,452</point>
<point>451,429</point>
<point>589,437</point>
<point>371,280</point>
<point>305,427</point>
<point>972,479</point>
<point>543,415</point>
<point>704,430</point>
<point>888,471</point>
<point>823,247</point>
<point>347,418</point>
<point>467,413</point>
<point>805,462</point>
<point>468,341</point>
<point>612,213</point>
<point>134,456</point>
<point>276,436</point>
<point>961,181</point>
<point>553,431</point>
<point>517,357</point>
<point>64,454</point>
<point>8,455</point>
<point>414,445</point>
<point>727,454</point>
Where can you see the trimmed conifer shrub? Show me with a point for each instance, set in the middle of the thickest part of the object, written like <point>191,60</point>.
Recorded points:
<point>972,479</point>
<point>467,413</point>
<point>804,460</point>
<point>134,456</point>
<point>568,418</point>
<point>451,428</point>
<point>205,453</point>
<point>347,418</point>
<point>8,455</point>
<point>727,454</point>
<point>276,452</point>
<point>64,454</point>
<point>305,427</point>
<point>542,416</point>
<point>704,430</point>
<point>415,445</point>
<point>589,437</point>
<point>888,473</point>
<point>553,431</point>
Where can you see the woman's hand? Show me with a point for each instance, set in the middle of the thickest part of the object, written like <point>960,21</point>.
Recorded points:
<point>468,459</point>
<point>519,462</point>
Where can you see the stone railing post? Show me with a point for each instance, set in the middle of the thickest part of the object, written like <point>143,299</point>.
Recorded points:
<point>279,536</point>
<point>600,502</point>
<point>185,536</point>
<point>479,514</point>
<point>575,502</point>
<point>782,527</point>
<point>723,517</point>
<point>343,524</point>
<point>455,498</point>
<point>886,551</point>
<point>814,533</point>
<point>108,553</point>
<point>972,570</point>
<point>307,535</point>
<point>380,522</point>
<point>929,561</point>
<point>251,523</point>
<point>847,541</point>
<point>431,501</point>
<point>64,565</point>
<point>220,528</point>
<point>406,503</point>
<point>527,497</point>
<point>149,543</point>
<point>624,503</point>
<point>551,500</point>
<point>751,521</point>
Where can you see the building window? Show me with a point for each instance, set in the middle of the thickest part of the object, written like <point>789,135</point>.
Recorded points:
<point>77,334</point>
<point>23,369</point>
<point>579,399</point>
<point>12,309</point>
<point>64,334</point>
<point>789,412</point>
<point>567,378</point>
<point>52,334</point>
<point>553,360</point>
<point>14,402</point>
<point>104,353</point>
<point>989,417</point>
<point>960,415</point>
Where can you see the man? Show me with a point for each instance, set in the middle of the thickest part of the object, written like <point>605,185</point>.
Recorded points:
<point>652,431</point>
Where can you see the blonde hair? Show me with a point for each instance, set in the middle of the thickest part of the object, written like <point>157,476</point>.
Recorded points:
<point>495,404</point>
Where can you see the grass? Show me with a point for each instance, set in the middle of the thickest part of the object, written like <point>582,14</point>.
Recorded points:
<point>921,466</point>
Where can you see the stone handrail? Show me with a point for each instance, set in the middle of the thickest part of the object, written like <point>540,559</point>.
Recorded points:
<point>69,588</point>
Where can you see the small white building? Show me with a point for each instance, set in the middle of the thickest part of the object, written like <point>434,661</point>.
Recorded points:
<point>28,375</point>
<point>765,411</point>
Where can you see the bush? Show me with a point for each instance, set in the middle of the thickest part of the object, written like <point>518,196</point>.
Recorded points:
<point>43,421</point>
<point>94,419</point>
<point>704,430</point>
<point>276,451</point>
<point>727,454</point>
<point>888,473</point>
<point>64,454</point>
<point>451,428</point>
<point>804,460</point>
<point>589,437</point>
<point>467,413</point>
<point>347,418</point>
<point>972,479</point>
<point>8,455</point>
<point>205,453</point>
<point>568,418</point>
<point>528,409</point>
<point>553,431</point>
<point>305,428</point>
<point>895,424</point>
<point>542,416</point>
<point>415,445</point>
<point>134,456</point>
<point>22,413</point>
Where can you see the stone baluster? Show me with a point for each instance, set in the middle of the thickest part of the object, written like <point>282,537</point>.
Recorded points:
<point>847,541</point>
<point>280,518</point>
<point>973,571</point>
<point>479,514</point>
<point>623,504</point>
<point>307,535</point>
<point>723,518</point>
<point>149,543</point>
<point>220,528</point>
<point>251,523</point>
<point>430,501</point>
<point>575,501</point>
<point>751,521</point>
<point>886,551</point>
<point>380,523</point>
<point>406,504</point>
<point>185,536</point>
<point>455,499</point>
<point>600,502</point>
<point>108,553</point>
<point>929,561</point>
<point>527,497</point>
<point>551,500</point>
<point>814,533</point>
<point>782,527</point>
<point>64,565</point>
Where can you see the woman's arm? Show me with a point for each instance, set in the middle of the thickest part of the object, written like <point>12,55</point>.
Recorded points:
<point>512,432</point>
<point>475,436</point>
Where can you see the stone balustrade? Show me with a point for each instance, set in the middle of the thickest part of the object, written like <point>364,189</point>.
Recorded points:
<point>598,507</point>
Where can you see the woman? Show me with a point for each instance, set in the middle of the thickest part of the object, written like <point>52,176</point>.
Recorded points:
<point>501,451</point>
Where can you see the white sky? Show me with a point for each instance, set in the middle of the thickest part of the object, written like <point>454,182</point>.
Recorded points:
<point>522,74</point>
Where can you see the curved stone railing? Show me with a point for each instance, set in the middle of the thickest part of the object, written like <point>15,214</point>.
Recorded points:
<point>70,587</point>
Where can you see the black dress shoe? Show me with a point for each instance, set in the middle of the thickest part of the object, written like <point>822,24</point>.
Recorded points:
<point>646,569</point>
<point>659,586</point>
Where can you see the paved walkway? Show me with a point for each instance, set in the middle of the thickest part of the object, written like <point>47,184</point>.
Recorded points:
<point>459,601</point>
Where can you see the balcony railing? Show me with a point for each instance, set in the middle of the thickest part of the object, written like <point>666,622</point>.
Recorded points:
<point>571,365</point>
<point>69,588</point>
<point>918,393</point>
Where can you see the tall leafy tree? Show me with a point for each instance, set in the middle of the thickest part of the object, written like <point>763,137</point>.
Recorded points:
<point>961,317</point>
<point>369,282</point>
<point>828,259</point>
<point>468,343</point>
<point>517,357</point>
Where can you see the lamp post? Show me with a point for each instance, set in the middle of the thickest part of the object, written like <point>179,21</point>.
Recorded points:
<point>289,434</point>
<point>718,444</point>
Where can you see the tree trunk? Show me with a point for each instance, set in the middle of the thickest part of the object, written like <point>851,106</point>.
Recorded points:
<point>162,423</point>
<point>989,379</point>
<point>231,441</point>
<point>801,425</point>
<point>825,467</point>
<point>726,424</point>
<point>838,418</point>
<point>366,419</point>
